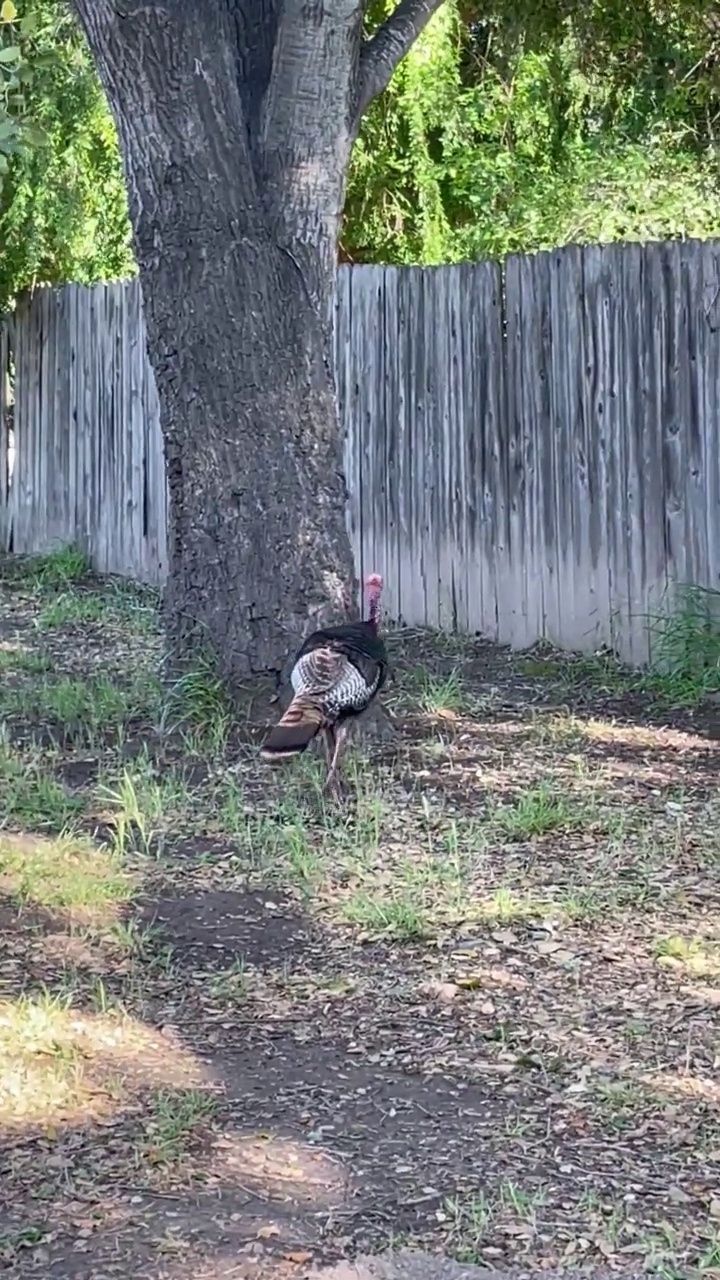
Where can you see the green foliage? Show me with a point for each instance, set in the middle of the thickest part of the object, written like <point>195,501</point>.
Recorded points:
<point>63,208</point>
<point>10,68</point>
<point>685,647</point>
<point>509,127</point>
<point>534,125</point>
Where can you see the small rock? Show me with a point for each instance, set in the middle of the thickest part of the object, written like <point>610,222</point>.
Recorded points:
<point>714,1209</point>
<point>676,1195</point>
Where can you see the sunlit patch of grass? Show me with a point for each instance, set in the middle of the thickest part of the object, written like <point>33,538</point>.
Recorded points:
<point>596,673</point>
<point>32,797</point>
<point>504,905</point>
<point>556,728</point>
<point>41,1058</point>
<point>685,647</point>
<point>620,1103</point>
<point>637,735</point>
<point>540,668</point>
<point>694,955</point>
<point>58,1063</point>
<point>71,609</point>
<point>234,809</point>
<point>469,1219</point>
<point>295,847</point>
<point>282,845</point>
<point>256,839</point>
<point>436,886</point>
<point>69,873</point>
<point>118,606</point>
<point>684,666</point>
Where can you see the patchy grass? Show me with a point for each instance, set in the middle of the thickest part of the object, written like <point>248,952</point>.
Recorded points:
<point>69,872</point>
<point>536,812</point>
<point>58,1063</point>
<point>697,956</point>
<point>486,987</point>
<point>31,795</point>
<point>437,695</point>
<point>399,917</point>
<point>176,1124</point>
<point>51,572</point>
<point>78,712</point>
<point>19,659</point>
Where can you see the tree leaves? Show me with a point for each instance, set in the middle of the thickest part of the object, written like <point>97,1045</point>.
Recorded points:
<point>63,206</point>
<point>520,126</point>
<point>10,56</point>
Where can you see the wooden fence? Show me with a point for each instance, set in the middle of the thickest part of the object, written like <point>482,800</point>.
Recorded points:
<point>532,448</point>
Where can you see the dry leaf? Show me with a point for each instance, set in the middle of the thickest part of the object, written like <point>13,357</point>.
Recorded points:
<point>446,991</point>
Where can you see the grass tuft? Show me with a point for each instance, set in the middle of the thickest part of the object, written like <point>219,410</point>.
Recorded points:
<point>32,797</point>
<point>176,1122</point>
<point>399,917</point>
<point>53,571</point>
<point>439,695</point>
<point>536,812</point>
<point>685,648</point>
<point>83,712</point>
<point>198,704</point>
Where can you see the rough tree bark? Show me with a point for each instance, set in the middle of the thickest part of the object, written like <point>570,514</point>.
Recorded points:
<point>236,120</point>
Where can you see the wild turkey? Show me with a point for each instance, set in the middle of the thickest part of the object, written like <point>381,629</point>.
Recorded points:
<point>335,676</point>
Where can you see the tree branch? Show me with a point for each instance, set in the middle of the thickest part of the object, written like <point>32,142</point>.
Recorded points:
<point>387,47</point>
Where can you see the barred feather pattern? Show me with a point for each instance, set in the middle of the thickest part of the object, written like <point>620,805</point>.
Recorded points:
<point>328,675</point>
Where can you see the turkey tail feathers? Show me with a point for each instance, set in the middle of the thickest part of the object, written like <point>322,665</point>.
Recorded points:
<point>291,735</point>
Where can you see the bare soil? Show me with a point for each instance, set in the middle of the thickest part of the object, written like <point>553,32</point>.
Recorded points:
<point>475,1010</point>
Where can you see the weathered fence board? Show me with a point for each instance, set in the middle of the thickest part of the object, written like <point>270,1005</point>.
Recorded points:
<point>4,428</point>
<point>88,462</point>
<point>532,448</point>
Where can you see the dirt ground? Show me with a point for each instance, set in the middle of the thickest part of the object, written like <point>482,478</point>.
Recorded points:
<point>475,1010</point>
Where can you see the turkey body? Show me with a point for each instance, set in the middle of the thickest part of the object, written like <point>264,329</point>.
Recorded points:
<point>336,674</point>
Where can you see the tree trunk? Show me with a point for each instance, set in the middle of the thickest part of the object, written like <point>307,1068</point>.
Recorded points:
<point>236,119</point>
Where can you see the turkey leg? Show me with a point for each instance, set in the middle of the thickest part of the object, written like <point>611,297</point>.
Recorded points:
<point>331,783</point>
<point>329,743</point>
